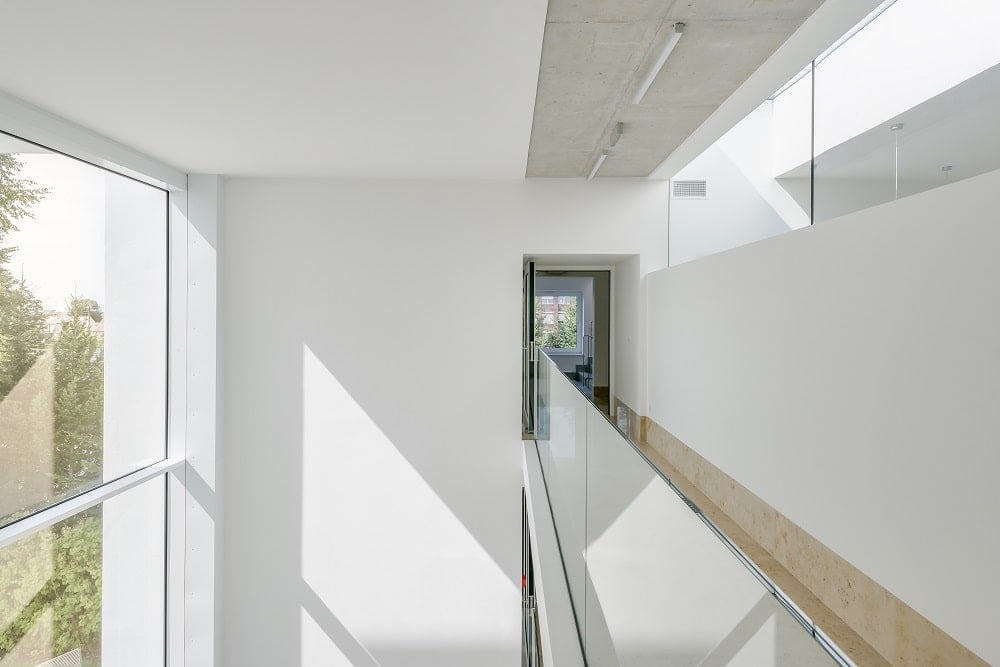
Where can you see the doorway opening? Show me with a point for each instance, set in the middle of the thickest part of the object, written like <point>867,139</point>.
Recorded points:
<point>572,324</point>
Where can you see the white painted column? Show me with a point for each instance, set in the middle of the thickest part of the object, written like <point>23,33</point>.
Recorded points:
<point>203,506</point>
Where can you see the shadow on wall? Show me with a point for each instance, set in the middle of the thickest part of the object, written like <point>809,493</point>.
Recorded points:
<point>369,514</point>
<point>737,210</point>
<point>363,563</point>
<point>322,629</point>
<point>380,550</point>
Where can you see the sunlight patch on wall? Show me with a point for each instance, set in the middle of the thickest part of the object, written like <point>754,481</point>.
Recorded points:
<point>367,518</point>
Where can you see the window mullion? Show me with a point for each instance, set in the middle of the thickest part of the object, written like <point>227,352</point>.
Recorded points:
<point>67,508</point>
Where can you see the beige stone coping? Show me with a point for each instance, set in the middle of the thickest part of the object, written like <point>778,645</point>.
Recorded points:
<point>870,624</point>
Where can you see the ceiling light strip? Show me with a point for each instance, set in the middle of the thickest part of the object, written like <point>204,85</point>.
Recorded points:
<point>658,65</point>
<point>597,165</point>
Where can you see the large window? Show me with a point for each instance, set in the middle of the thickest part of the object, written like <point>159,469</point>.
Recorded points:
<point>83,409</point>
<point>89,589</point>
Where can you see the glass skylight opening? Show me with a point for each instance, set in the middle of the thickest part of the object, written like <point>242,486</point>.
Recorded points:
<point>874,14</point>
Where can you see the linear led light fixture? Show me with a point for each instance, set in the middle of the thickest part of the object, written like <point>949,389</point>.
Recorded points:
<point>658,65</point>
<point>597,165</point>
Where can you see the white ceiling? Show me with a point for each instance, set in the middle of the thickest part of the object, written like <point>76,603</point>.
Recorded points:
<point>375,89</point>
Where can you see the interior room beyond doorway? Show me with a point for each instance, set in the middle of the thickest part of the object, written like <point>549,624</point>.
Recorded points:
<point>573,325</point>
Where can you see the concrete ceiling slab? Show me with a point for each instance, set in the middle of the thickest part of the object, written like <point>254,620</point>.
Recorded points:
<point>588,11</point>
<point>739,10</point>
<point>595,53</point>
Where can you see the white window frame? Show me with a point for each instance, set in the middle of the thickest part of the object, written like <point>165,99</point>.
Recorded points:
<point>578,350</point>
<point>193,510</point>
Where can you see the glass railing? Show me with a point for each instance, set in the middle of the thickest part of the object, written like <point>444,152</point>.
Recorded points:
<point>899,106</point>
<point>651,579</point>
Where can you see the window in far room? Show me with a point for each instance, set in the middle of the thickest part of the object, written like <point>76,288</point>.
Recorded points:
<point>559,321</point>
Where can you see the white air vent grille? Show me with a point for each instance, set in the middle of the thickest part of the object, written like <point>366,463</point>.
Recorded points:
<point>690,189</point>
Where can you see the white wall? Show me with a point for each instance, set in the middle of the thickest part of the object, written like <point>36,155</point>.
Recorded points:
<point>750,146</point>
<point>744,204</point>
<point>849,374</point>
<point>629,345</point>
<point>732,215</point>
<point>835,197</point>
<point>199,510</point>
<point>372,497</point>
